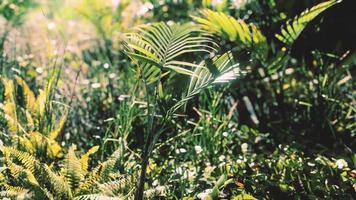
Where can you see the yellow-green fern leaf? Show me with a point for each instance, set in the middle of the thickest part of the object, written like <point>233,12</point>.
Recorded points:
<point>21,174</point>
<point>15,192</point>
<point>9,106</point>
<point>72,169</point>
<point>29,96</point>
<point>97,197</point>
<point>41,102</point>
<point>85,158</point>
<point>30,121</point>
<point>27,160</point>
<point>58,128</point>
<point>57,182</point>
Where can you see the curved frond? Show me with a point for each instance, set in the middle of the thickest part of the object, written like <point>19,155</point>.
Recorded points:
<point>293,28</point>
<point>221,69</point>
<point>157,48</point>
<point>27,160</point>
<point>85,158</point>
<point>234,29</point>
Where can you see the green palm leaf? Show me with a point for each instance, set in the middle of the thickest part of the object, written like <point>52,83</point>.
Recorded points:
<point>293,28</point>
<point>236,30</point>
<point>222,69</point>
<point>158,48</point>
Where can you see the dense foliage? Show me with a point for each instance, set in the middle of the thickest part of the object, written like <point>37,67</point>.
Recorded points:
<point>177,99</point>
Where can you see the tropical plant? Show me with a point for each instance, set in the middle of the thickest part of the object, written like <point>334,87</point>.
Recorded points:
<point>32,179</point>
<point>294,27</point>
<point>157,50</point>
<point>35,125</point>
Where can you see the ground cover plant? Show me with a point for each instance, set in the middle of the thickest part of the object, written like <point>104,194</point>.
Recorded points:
<point>146,99</point>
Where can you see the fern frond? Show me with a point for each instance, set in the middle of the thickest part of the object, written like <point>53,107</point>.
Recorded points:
<point>156,48</point>
<point>235,30</point>
<point>116,187</point>
<point>110,165</point>
<point>85,158</point>
<point>72,169</point>
<point>293,28</point>
<point>41,102</point>
<point>28,94</point>
<point>10,106</point>
<point>97,197</point>
<point>21,174</point>
<point>36,143</point>
<point>57,182</point>
<point>15,192</point>
<point>26,159</point>
<point>59,127</point>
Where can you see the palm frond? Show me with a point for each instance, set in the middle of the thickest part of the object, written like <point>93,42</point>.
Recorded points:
<point>157,47</point>
<point>226,71</point>
<point>235,30</point>
<point>293,28</point>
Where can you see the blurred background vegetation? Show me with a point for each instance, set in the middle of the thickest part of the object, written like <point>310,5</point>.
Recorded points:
<point>284,130</point>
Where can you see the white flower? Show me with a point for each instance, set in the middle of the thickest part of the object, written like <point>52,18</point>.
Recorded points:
<point>341,163</point>
<point>204,194</point>
<point>112,75</point>
<point>225,134</point>
<point>244,147</point>
<point>106,65</point>
<point>221,158</point>
<point>181,150</point>
<point>39,70</point>
<point>161,190</point>
<point>95,85</point>
<point>155,183</point>
<point>51,26</point>
<point>198,149</point>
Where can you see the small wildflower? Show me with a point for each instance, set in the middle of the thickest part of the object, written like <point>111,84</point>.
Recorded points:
<point>221,158</point>
<point>225,134</point>
<point>181,150</point>
<point>198,149</point>
<point>106,66</point>
<point>39,70</point>
<point>341,163</point>
<point>95,85</point>
<point>244,147</point>
<point>51,26</point>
